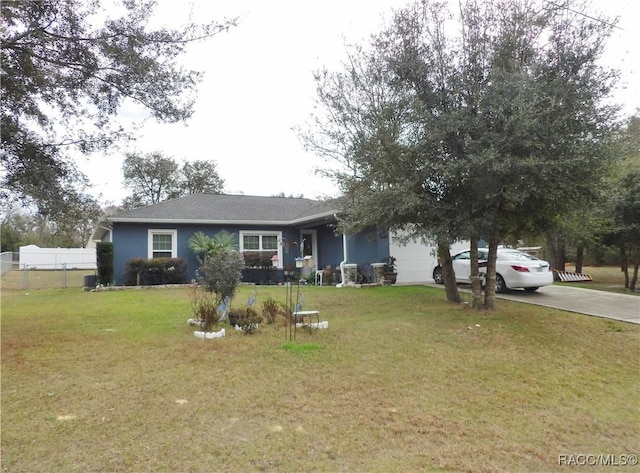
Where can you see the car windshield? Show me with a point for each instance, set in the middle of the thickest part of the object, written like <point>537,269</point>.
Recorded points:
<point>516,256</point>
<point>483,255</point>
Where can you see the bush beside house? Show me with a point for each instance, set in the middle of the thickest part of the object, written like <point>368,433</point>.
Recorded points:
<point>258,268</point>
<point>154,271</point>
<point>104,260</point>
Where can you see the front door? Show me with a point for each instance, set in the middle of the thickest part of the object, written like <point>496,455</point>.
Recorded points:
<point>309,246</point>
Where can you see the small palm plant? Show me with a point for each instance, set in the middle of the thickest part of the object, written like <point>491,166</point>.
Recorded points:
<point>203,244</point>
<point>220,260</point>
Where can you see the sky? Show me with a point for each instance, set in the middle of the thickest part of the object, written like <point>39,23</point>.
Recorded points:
<point>258,85</point>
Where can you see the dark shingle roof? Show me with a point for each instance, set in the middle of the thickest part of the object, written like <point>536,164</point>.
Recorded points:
<point>224,208</point>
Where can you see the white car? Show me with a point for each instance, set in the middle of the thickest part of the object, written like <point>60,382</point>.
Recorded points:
<point>514,269</point>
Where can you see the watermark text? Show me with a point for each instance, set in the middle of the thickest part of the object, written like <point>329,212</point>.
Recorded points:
<point>597,459</point>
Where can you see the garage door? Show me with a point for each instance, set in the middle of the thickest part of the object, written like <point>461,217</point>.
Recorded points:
<point>415,260</point>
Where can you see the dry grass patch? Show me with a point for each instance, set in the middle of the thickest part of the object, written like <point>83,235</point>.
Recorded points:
<point>401,381</point>
<point>605,278</point>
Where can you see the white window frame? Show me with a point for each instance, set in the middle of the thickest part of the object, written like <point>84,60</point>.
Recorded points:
<point>162,231</point>
<point>261,233</point>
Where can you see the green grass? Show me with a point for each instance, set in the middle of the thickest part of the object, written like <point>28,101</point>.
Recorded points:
<point>400,381</point>
<point>295,347</point>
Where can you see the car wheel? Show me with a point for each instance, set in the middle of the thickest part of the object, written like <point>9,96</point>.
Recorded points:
<point>438,275</point>
<point>531,289</point>
<point>500,285</point>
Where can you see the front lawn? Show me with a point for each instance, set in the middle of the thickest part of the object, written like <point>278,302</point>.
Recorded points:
<point>400,381</point>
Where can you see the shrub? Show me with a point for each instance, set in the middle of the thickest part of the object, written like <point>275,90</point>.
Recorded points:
<point>262,275</point>
<point>247,319</point>
<point>258,259</point>
<point>258,267</point>
<point>154,271</point>
<point>311,278</point>
<point>204,307</point>
<point>104,262</point>
<point>270,310</point>
<point>222,272</point>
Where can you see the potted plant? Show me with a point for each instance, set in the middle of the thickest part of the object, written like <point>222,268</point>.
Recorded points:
<point>390,273</point>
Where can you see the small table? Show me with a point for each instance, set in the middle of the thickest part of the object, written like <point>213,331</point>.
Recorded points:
<point>309,315</point>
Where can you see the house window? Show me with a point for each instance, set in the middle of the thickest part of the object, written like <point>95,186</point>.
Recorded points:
<point>261,241</point>
<point>251,242</point>
<point>163,244</point>
<point>269,242</point>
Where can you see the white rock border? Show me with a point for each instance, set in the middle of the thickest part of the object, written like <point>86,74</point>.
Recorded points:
<point>318,325</point>
<point>209,335</point>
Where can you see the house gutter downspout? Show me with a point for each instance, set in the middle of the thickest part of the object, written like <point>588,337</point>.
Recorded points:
<point>344,261</point>
<point>108,232</point>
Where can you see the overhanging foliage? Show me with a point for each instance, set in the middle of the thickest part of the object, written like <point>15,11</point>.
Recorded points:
<point>67,68</point>
<point>483,133</point>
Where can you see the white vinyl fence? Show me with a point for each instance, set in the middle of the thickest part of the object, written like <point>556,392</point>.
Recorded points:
<point>34,257</point>
<point>38,268</point>
<point>8,261</point>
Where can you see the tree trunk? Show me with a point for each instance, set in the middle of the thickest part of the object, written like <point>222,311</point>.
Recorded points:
<point>450,286</point>
<point>559,256</point>
<point>579,258</point>
<point>558,251</point>
<point>490,288</point>
<point>636,266</point>
<point>474,273</point>
<point>624,266</point>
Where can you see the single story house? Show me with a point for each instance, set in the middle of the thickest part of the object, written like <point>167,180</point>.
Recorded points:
<point>289,228</point>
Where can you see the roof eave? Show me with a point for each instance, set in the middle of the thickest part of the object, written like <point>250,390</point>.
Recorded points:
<point>312,218</point>
<point>296,221</point>
<point>100,231</point>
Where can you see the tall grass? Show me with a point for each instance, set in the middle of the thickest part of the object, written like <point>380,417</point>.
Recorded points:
<point>400,381</point>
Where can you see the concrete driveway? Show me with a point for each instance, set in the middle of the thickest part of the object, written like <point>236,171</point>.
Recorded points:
<point>621,307</point>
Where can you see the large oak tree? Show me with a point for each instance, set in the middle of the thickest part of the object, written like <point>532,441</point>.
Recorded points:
<point>67,68</point>
<point>480,125</point>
